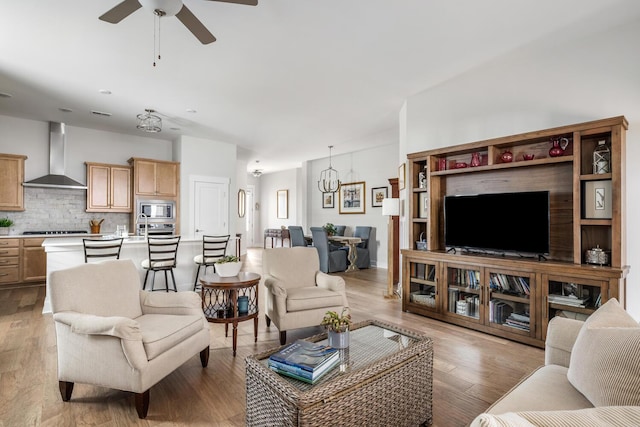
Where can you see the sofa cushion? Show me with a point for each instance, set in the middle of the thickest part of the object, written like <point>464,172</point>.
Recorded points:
<point>612,416</point>
<point>299,299</point>
<point>605,365</point>
<point>545,389</point>
<point>161,332</point>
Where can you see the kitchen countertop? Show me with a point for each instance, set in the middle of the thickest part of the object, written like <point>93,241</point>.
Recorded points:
<point>76,240</point>
<point>36,236</point>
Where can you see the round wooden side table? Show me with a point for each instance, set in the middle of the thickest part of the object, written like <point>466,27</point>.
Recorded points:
<point>220,296</point>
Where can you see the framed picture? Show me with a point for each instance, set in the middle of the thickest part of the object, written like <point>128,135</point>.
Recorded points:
<point>328,200</point>
<point>377,194</point>
<point>423,207</point>
<point>352,198</point>
<point>283,204</point>
<point>597,199</point>
<point>242,201</point>
<point>402,171</point>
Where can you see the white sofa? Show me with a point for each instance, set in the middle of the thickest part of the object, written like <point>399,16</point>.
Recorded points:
<point>591,376</point>
<point>111,334</point>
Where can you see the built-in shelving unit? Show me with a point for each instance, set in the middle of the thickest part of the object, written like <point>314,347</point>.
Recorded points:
<point>515,297</point>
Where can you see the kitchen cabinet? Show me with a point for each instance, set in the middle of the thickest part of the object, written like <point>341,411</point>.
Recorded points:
<point>11,179</point>
<point>9,261</point>
<point>108,188</point>
<point>155,178</point>
<point>34,260</point>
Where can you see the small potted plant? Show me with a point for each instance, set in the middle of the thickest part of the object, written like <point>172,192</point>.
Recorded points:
<point>330,229</point>
<point>337,327</point>
<point>228,266</point>
<point>5,223</point>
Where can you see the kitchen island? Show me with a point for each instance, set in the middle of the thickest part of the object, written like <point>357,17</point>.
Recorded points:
<point>66,252</point>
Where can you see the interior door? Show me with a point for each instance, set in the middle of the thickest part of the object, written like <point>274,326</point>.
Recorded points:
<point>210,206</point>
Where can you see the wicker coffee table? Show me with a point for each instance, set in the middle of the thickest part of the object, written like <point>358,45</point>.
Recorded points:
<point>384,378</point>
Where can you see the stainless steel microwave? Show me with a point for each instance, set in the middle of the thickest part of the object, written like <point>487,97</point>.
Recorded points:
<point>157,209</point>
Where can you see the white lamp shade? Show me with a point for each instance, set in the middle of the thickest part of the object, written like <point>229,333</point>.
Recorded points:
<point>391,207</point>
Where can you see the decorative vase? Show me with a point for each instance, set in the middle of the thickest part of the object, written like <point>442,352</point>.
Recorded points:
<point>95,229</point>
<point>506,157</point>
<point>601,158</point>
<point>4,231</point>
<point>243,304</point>
<point>228,269</point>
<point>559,145</point>
<point>339,339</point>
<point>475,160</point>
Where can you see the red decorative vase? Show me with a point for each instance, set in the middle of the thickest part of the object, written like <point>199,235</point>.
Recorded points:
<point>475,160</point>
<point>506,157</point>
<point>559,145</point>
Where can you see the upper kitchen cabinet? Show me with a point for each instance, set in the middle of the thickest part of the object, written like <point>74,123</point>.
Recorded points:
<point>11,179</point>
<point>155,177</point>
<point>108,188</point>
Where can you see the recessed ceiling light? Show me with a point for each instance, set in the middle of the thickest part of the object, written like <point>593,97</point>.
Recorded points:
<point>105,91</point>
<point>65,110</point>
<point>101,113</point>
<point>5,95</point>
<point>191,110</point>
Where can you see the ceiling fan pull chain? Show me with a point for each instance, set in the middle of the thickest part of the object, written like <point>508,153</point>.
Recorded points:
<point>155,30</point>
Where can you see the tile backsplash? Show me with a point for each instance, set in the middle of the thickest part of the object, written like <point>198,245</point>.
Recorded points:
<point>59,209</point>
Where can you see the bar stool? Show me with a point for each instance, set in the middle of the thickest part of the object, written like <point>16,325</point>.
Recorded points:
<point>102,248</point>
<point>213,248</point>
<point>163,252</point>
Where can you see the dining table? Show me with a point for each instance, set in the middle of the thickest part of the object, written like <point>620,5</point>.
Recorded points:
<point>350,242</point>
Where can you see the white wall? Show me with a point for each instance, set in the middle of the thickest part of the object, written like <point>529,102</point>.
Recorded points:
<point>552,82</point>
<point>31,138</point>
<point>374,166</point>
<point>269,185</point>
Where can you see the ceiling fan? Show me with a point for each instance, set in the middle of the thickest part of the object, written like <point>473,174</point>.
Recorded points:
<point>162,8</point>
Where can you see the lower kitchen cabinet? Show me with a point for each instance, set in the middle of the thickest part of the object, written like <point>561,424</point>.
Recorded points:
<point>510,298</point>
<point>9,261</point>
<point>34,260</point>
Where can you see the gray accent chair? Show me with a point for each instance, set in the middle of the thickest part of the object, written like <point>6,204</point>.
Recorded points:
<point>340,230</point>
<point>331,261</point>
<point>298,294</point>
<point>296,235</point>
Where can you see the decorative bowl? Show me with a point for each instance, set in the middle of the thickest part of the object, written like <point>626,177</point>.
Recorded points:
<point>460,165</point>
<point>228,269</point>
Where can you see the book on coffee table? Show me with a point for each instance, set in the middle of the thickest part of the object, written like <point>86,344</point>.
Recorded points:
<point>304,359</point>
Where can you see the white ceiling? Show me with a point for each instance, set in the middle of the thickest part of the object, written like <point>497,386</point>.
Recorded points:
<point>284,80</point>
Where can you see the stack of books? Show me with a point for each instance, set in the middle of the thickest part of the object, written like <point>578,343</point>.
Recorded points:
<point>570,300</point>
<point>304,361</point>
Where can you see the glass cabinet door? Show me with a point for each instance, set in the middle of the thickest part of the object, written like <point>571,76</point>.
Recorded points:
<point>422,290</point>
<point>511,305</point>
<point>464,291</point>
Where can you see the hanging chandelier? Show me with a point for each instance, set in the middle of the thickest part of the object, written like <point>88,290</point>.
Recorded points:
<point>149,122</point>
<point>329,179</point>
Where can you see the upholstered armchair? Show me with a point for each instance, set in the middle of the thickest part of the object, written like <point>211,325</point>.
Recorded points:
<point>112,334</point>
<point>298,293</point>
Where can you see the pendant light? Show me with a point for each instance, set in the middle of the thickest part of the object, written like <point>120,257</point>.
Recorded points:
<point>149,122</point>
<point>329,179</point>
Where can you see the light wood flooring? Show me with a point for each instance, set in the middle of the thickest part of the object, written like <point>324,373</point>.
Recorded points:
<point>471,369</point>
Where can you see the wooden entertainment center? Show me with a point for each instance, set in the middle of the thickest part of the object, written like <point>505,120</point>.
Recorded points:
<point>509,295</point>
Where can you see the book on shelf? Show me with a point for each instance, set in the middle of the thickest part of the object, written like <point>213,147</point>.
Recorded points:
<point>568,300</point>
<point>305,356</point>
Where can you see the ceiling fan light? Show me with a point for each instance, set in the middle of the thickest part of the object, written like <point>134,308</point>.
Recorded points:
<point>256,173</point>
<point>169,7</point>
<point>148,122</point>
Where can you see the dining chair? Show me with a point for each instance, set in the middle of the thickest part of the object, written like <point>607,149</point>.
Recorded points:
<point>296,235</point>
<point>213,248</point>
<point>330,260</point>
<point>101,249</point>
<point>163,252</point>
<point>340,229</point>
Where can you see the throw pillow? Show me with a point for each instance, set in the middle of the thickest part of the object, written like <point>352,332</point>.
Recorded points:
<point>605,361</point>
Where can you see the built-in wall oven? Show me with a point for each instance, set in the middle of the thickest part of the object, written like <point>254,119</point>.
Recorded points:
<point>155,217</point>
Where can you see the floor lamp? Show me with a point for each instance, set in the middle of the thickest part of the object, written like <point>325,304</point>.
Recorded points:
<point>391,208</point>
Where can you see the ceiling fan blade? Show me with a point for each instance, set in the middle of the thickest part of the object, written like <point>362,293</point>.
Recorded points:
<point>247,2</point>
<point>194,25</point>
<point>121,11</point>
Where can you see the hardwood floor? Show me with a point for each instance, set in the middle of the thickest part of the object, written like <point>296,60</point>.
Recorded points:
<point>471,369</point>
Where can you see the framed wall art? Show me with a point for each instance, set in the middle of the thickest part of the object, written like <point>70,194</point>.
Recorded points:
<point>402,171</point>
<point>283,204</point>
<point>377,195</point>
<point>352,198</point>
<point>597,199</point>
<point>328,200</point>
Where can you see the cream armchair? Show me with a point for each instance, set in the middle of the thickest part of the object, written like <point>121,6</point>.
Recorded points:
<point>298,293</point>
<point>112,334</point>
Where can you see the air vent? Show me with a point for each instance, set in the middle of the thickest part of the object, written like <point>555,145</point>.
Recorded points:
<point>101,113</point>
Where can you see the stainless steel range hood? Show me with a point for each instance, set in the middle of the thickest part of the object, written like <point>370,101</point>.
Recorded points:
<point>56,177</point>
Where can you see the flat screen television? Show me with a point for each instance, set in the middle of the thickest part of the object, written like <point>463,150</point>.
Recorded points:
<point>501,222</point>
